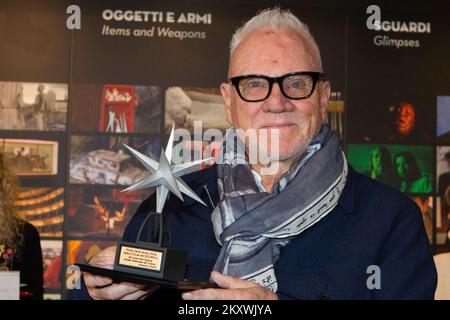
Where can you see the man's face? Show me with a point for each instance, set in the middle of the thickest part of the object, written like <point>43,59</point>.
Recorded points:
<point>402,166</point>
<point>376,159</point>
<point>406,119</point>
<point>275,53</point>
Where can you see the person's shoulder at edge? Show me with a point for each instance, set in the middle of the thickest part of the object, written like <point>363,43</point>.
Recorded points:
<point>31,261</point>
<point>30,231</point>
<point>361,192</point>
<point>397,221</point>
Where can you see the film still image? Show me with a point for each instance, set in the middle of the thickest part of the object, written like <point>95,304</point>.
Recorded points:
<point>443,169</point>
<point>425,204</point>
<point>406,168</point>
<point>51,255</point>
<point>102,212</point>
<point>116,108</point>
<point>443,120</point>
<point>443,191</point>
<point>392,121</point>
<point>33,106</point>
<point>186,105</point>
<point>104,159</point>
<point>31,157</point>
<point>443,220</point>
<point>44,208</point>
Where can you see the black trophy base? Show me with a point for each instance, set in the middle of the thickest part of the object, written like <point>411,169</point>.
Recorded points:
<point>151,260</point>
<point>119,276</point>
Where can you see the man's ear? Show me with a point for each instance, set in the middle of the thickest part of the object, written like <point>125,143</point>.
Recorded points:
<point>325,94</point>
<point>225,89</point>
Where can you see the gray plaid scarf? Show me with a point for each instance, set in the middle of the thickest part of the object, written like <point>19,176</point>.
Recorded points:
<point>252,225</point>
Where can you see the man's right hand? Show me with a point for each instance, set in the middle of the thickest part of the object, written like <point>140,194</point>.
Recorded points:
<point>103,288</point>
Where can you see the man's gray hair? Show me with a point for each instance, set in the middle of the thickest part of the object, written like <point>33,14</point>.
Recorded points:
<point>276,18</point>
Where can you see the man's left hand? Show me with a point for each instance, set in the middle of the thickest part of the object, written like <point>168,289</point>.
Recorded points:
<point>232,288</point>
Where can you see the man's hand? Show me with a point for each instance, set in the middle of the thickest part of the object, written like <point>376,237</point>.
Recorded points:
<point>103,288</point>
<point>233,288</point>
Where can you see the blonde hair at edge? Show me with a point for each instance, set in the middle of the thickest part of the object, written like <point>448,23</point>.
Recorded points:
<point>10,223</point>
<point>277,18</point>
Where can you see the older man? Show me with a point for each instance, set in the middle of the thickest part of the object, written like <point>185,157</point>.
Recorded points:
<point>311,229</point>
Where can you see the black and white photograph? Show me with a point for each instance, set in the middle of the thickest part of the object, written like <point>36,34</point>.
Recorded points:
<point>33,106</point>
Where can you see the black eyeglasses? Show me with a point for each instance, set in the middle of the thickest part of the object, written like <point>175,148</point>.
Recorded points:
<point>294,85</point>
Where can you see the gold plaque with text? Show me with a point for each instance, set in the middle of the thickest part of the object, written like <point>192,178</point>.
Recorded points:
<point>140,258</point>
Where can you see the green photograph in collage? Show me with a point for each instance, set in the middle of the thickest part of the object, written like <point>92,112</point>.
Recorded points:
<point>406,168</point>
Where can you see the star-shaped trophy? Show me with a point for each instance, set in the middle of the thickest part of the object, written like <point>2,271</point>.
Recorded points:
<point>151,258</point>
<point>151,261</point>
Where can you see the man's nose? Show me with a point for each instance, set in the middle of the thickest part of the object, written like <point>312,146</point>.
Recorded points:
<point>277,102</point>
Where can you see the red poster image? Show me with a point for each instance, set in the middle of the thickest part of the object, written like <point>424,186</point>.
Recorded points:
<point>117,108</point>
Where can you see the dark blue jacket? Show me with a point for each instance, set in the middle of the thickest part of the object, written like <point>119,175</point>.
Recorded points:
<point>371,225</point>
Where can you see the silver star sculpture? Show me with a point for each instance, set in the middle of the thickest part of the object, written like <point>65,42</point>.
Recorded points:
<point>165,176</point>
